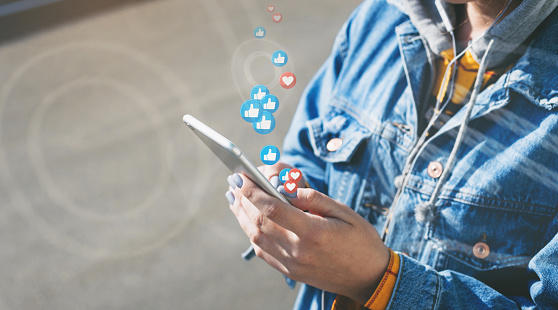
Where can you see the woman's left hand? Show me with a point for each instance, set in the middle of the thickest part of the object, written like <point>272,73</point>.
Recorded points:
<point>330,246</point>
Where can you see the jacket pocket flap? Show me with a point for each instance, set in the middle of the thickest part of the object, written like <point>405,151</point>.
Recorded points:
<point>336,136</point>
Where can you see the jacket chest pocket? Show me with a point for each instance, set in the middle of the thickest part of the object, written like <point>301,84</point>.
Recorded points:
<point>362,159</point>
<point>335,139</point>
<point>492,244</point>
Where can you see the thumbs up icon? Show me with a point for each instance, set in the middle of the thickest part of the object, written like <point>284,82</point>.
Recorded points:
<point>259,32</point>
<point>252,112</point>
<point>269,103</point>
<point>279,58</point>
<point>260,94</point>
<point>269,154</point>
<point>264,124</point>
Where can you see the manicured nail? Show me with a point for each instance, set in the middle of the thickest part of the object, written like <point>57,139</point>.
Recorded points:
<point>248,254</point>
<point>234,180</point>
<point>282,191</point>
<point>274,180</point>
<point>230,197</point>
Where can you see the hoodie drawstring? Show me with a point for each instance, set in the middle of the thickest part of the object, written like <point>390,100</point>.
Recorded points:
<point>426,212</point>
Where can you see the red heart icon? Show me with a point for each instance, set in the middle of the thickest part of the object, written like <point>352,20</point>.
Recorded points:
<point>290,186</point>
<point>287,80</point>
<point>295,175</point>
<point>270,8</point>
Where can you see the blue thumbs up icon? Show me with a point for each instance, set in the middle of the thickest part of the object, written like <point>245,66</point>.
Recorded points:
<point>270,155</point>
<point>259,32</point>
<point>279,58</point>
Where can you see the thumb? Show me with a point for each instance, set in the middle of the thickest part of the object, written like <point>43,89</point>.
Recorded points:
<point>317,203</point>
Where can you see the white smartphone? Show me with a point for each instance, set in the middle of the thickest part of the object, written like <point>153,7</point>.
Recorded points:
<point>231,155</point>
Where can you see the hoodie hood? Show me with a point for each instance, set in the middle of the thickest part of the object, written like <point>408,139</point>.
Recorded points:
<point>508,34</point>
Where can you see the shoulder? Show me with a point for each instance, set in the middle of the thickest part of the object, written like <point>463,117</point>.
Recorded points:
<point>371,21</point>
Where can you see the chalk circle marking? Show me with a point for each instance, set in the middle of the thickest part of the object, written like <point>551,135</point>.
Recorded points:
<point>18,198</point>
<point>43,174</point>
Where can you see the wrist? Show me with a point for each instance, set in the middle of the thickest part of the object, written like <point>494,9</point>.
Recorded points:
<point>367,289</point>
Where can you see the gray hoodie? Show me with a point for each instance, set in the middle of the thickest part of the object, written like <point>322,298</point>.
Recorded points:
<point>508,33</point>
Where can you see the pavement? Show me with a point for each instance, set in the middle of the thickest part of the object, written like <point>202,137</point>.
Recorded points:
<point>107,201</point>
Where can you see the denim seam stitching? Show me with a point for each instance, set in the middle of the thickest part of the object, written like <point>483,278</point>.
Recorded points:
<point>438,288</point>
<point>468,260</point>
<point>448,197</point>
<point>376,128</point>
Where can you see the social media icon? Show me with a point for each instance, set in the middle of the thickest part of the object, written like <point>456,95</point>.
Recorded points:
<point>250,110</point>
<point>258,92</point>
<point>287,80</point>
<point>270,155</point>
<point>295,175</point>
<point>265,124</point>
<point>284,175</point>
<point>259,32</point>
<point>270,8</point>
<point>290,186</point>
<point>279,58</point>
<point>277,18</point>
<point>269,103</point>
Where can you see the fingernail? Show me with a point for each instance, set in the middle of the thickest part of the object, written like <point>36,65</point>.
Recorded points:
<point>237,180</point>
<point>274,180</point>
<point>234,180</point>
<point>230,197</point>
<point>282,191</point>
<point>248,254</point>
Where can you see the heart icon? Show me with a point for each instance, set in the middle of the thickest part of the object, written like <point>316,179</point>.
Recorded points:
<point>270,8</point>
<point>295,175</point>
<point>287,80</point>
<point>277,18</point>
<point>290,186</point>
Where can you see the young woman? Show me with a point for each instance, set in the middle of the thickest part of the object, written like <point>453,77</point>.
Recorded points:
<point>429,141</point>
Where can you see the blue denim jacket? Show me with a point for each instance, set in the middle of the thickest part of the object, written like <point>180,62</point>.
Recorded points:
<point>493,242</point>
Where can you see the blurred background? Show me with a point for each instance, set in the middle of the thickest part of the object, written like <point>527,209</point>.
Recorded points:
<point>107,200</point>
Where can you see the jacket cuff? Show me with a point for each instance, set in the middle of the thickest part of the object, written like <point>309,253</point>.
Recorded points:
<point>382,295</point>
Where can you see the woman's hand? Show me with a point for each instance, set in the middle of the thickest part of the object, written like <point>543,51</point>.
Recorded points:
<point>330,246</point>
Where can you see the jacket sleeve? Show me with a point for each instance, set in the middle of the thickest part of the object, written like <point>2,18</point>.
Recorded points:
<point>297,149</point>
<point>421,287</point>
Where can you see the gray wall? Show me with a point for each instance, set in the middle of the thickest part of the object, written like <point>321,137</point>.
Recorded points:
<point>107,200</point>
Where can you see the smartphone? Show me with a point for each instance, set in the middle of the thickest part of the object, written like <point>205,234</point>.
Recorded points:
<point>231,155</point>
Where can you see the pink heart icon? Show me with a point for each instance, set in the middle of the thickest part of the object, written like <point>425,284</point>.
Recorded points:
<point>270,8</point>
<point>287,80</point>
<point>277,18</point>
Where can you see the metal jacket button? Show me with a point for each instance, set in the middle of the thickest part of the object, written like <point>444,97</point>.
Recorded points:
<point>481,250</point>
<point>435,169</point>
<point>334,144</point>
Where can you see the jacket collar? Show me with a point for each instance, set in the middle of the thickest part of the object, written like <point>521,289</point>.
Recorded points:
<point>535,74</point>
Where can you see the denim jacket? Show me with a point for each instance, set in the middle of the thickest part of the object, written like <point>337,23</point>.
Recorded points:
<point>493,242</point>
